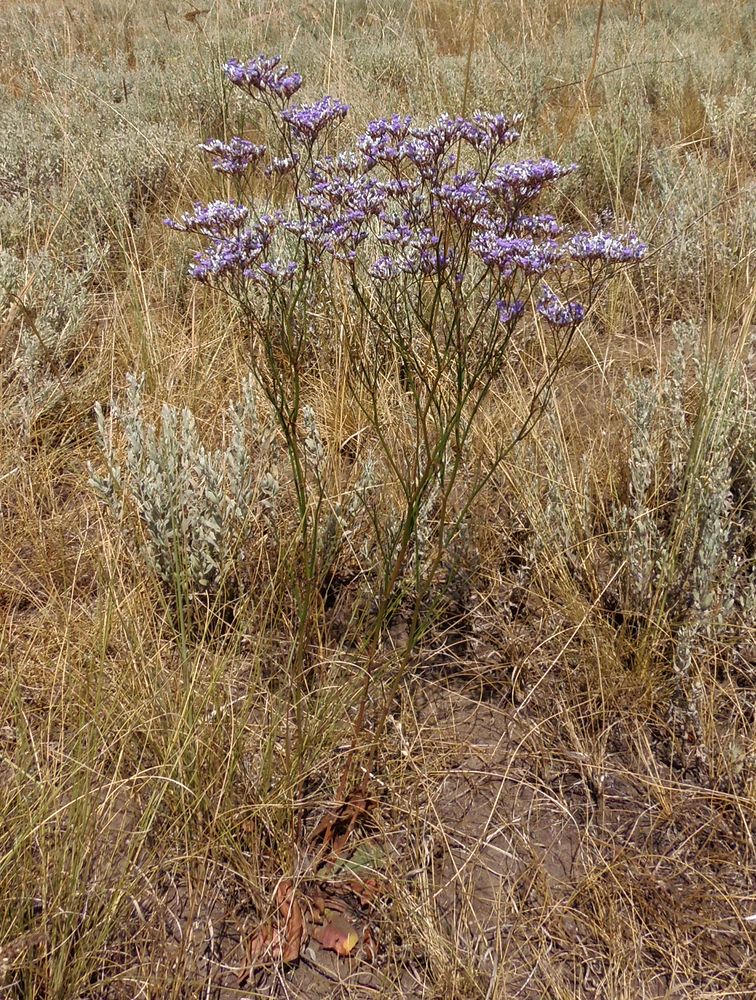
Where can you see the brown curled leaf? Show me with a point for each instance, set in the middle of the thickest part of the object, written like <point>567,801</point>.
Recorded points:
<point>262,948</point>
<point>338,935</point>
<point>367,890</point>
<point>283,942</point>
<point>293,933</point>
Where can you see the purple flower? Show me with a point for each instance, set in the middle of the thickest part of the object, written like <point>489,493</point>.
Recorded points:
<point>230,255</point>
<point>307,121</point>
<point>463,197</point>
<point>345,166</point>
<point>265,75</point>
<point>427,156</point>
<point>397,127</point>
<point>400,235</point>
<point>400,187</point>
<point>336,194</point>
<point>427,262</point>
<point>383,138</point>
<point>507,253</point>
<point>384,269</point>
<point>510,311</point>
<point>273,272</point>
<point>558,313</point>
<point>414,240</point>
<point>545,225</point>
<point>510,223</point>
<point>235,156</point>
<point>426,216</point>
<point>488,131</point>
<point>524,180</point>
<point>442,134</point>
<point>337,209</point>
<point>216,219</point>
<point>341,237</point>
<point>473,134</point>
<point>281,165</point>
<point>605,246</point>
<point>497,130</point>
<point>428,148</point>
<point>272,220</point>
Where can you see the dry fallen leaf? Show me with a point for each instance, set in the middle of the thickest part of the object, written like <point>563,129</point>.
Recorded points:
<point>336,825</point>
<point>16,951</point>
<point>261,948</point>
<point>337,935</point>
<point>192,15</point>
<point>283,942</point>
<point>367,890</point>
<point>293,929</point>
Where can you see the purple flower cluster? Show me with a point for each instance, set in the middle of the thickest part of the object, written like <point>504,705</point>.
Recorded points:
<point>464,197</point>
<point>523,181</point>
<point>487,131</point>
<point>558,313</point>
<point>406,202</point>
<point>393,140</point>
<point>244,254</point>
<point>231,256</point>
<point>384,269</point>
<point>545,225</point>
<point>606,247</point>
<point>264,75</point>
<point>233,157</point>
<point>219,218</point>
<point>505,254</point>
<point>338,208</point>
<point>274,273</point>
<point>418,251</point>
<point>307,121</point>
<point>399,234</point>
<point>346,166</point>
<point>281,165</point>
<point>383,139</point>
<point>425,263</point>
<point>509,312</point>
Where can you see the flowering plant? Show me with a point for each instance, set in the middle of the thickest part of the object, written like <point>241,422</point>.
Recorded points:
<point>437,244</point>
<point>406,200</point>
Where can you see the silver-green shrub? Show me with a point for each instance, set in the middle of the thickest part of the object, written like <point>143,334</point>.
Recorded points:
<point>699,228</point>
<point>671,551</point>
<point>197,506</point>
<point>731,119</point>
<point>42,308</point>
<point>685,538</point>
<point>686,535</point>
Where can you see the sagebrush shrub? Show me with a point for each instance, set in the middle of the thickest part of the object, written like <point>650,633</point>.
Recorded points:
<point>200,508</point>
<point>42,308</point>
<point>671,552</point>
<point>197,506</point>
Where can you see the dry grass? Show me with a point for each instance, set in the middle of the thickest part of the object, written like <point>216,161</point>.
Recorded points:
<point>557,808</point>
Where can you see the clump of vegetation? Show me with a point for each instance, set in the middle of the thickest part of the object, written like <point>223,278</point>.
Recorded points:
<point>197,506</point>
<point>42,309</point>
<point>432,243</point>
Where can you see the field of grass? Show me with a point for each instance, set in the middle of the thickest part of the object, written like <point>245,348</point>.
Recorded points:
<point>348,731</point>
